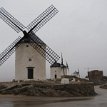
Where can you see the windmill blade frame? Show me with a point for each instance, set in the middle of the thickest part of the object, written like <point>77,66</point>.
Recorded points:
<point>46,52</point>
<point>9,50</point>
<point>42,19</point>
<point>33,27</point>
<point>11,21</point>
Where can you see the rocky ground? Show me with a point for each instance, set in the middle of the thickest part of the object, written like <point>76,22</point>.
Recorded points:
<point>104,86</point>
<point>47,89</point>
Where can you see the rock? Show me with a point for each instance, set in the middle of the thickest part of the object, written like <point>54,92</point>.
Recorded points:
<point>50,90</point>
<point>104,86</point>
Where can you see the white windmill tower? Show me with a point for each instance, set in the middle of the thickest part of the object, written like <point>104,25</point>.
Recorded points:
<point>30,51</point>
<point>57,70</point>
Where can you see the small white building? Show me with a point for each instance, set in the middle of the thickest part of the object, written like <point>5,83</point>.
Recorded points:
<point>29,64</point>
<point>57,70</point>
<point>76,74</point>
<point>65,81</point>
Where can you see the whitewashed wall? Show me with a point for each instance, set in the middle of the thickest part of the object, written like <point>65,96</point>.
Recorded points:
<point>58,71</point>
<point>23,53</point>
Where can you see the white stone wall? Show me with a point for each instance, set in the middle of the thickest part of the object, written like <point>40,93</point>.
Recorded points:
<point>57,71</point>
<point>64,81</point>
<point>23,54</point>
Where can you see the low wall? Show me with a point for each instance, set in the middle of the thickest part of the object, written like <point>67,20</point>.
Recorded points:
<point>45,89</point>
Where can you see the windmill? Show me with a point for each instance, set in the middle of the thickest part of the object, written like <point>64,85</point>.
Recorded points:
<point>63,66</point>
<point>29,38</point>
<point>58,70</point>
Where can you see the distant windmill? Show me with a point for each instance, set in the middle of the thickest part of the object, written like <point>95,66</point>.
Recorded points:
<point>62,64</point>
<point>21,43</point>
<point>64,67</point>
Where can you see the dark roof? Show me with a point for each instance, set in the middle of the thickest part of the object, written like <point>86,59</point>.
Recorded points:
<point>58,65</point>
<point>25,39</point>
<point>63,66</point>
<point>55,64</point>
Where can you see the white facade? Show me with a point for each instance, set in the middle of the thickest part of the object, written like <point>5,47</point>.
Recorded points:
<point>57,72</point>
<point>64,81</point>
<point>28,59</point>
<point>76,74</point>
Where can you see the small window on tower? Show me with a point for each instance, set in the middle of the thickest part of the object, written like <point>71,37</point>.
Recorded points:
<point>30,59</point>
<point>27,45</point>
<point>30,72</point>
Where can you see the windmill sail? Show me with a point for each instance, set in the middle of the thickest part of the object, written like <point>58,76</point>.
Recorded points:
<point>42,19</point>
<point>43,49</point>
<point>32,28</point>
<point>9,51</point>
<point>11,21</point>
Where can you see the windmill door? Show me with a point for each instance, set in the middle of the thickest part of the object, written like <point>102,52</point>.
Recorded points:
<point>30,72</point>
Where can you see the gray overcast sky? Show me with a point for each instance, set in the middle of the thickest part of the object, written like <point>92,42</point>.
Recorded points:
<point>78,31</point>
